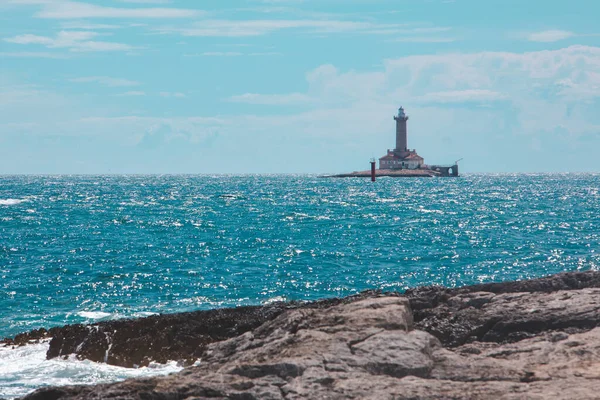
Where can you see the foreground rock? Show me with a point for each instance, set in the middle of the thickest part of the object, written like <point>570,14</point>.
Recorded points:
<point>508,311</point>
<point>531,339</point>
<point>161,338</point>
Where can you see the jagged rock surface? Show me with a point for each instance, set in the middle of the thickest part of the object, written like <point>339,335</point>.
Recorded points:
<point>161,338</point>
<point>536,344</point>
<point>508,311</point>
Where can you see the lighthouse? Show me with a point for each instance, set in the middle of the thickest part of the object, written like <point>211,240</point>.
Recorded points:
<point>402,161</point>
<point>401,157</point>
<point>401,142</point>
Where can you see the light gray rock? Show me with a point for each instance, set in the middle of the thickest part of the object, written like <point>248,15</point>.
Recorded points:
<point>509,317</point>
<point>370,349</point>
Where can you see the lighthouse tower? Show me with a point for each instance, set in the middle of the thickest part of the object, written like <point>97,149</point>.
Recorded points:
<point>401,143</point>
<point>401,157</point>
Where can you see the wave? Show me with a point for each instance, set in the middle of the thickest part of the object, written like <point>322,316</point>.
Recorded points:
<point>24,369</point>
<point>11,202</point>
<point>93,314</point>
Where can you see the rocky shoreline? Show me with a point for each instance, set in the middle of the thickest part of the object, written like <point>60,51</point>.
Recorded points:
<point>526,339</point>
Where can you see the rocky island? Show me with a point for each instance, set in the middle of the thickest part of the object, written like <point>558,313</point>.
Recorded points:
<point>402,162</point>
<point>535,339</point>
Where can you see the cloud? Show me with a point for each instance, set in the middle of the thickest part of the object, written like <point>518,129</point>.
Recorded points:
<point>240,28</point>
<point>484,69</point>
<point>462,96</point>
<point>270,99</point>
<point>32,54</point>
<point>282,1</point>
<point>233,54</point>
<point>190,129</point>
<point>146,1</point>
<point>78,10</point>
<point>548,97</point>
<point>87,26</point>
<point>220,54</point>
<point>424,39</point>
<point>542,91</point>
<point>550,36</point>
<point>133,93</point>
<point>426,34</point>
<point>582,86</point>
<point>73,40</point>
<point>70,10</point>
<point>106,81</point>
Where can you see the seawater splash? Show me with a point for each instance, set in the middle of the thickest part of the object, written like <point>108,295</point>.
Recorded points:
<point>11,202</point>
<point>94,315</point>
<point>89,248</point>
<point>24,369</point>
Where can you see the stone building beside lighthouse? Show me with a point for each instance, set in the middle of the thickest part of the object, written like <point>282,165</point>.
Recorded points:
<point>401,157</point>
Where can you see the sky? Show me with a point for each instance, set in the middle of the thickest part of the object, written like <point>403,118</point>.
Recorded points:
<point>296,86</point>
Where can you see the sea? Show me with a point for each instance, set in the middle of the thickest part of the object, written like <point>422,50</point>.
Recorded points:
<point>83,249</point>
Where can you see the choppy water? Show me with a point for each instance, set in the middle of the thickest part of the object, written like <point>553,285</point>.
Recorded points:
<point>81,249</point>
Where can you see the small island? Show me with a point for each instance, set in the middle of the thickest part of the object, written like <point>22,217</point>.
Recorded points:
<point>402,161</point>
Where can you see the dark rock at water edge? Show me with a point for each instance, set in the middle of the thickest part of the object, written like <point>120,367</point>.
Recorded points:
<point>527,339</point>
<point>160,338</point>
<point>453,315</point>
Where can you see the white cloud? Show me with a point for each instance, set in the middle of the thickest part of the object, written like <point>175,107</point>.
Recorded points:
<point>550,97</point>
<point>461,96</point>
<point>34,39</point>
<point>32,54</point>
<point>540,91</point>
<point>190,129</point>
<point>146,1</point>
<point>270,99</point>
<point>64,9</point>
<point>550,36</point>
<point>282,1</point>
<point>239,28</point>
<point>233,54</point>
<point>106,81</point>
<point>221,54</point>
<point>73,40</point>
<point>70,10</point>
<point>87,26</point>
<point>133,93</point>
<point>581,86</point>
<point>424,39</point>
<point>485,69</point>
<point>101,46</point>
<point>265,53</point>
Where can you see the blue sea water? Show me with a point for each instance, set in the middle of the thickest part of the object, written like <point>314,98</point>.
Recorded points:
<point>76,249</point>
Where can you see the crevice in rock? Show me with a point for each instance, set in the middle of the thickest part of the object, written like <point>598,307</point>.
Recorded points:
<point>282,370</point>
<point>353,343</point>
<point>397,370</point>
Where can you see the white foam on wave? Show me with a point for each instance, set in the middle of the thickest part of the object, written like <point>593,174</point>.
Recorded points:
<point>276,299</point>
<point>142,314</point>
<point>93,314</point>
<point>24,369</point>
<point>11,202</point>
